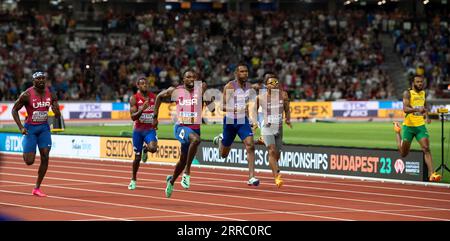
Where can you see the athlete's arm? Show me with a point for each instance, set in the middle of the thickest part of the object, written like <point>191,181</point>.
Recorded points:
<point>253,112</point>
<point>286,108</point>
<point>163,94</point>
<point>135,113</point>
<point>224,98</point>
<point>407,108</point>
<point>204,87</point>
<point>427,119</point>
<point>207,103</point>
<point>256,86</point>
<point>20,102</point>
<point>55,106</point>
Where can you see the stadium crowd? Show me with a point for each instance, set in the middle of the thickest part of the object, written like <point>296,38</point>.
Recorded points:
<point>424,49</point>
<point>316,56</point>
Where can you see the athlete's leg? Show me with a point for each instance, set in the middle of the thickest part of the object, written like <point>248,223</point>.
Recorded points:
<point>404,148</point>
<point>194,140</point>
<point>229,134</point>
<point>403,145</point>
<point>29,143</point>
<point>246,134</point>
<point>425,145</point>
<point>250,147</point>
<point>43,166</point>
<point>152,146</point>
<point>274,156</point>
<point>29,157</point>
<point>181,164</point>
<point>273,159</point>
<point>138,140</point>
<point>44,142</point>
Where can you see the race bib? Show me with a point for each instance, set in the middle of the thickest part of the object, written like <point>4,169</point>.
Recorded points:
<point>274,119</point>
<point>146,118</point>
<point>187,117</point>
<point>417,113</point>
<point>39,116</point>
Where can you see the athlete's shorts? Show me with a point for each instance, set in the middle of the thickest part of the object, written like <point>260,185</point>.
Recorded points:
<point>231,130</point>
<point>182,134</point>
<point>37,135</point>
<point>141,136</point>
<point>409,132</point>
<point>276,139</point>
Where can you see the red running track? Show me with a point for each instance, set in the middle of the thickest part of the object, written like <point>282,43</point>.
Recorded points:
<point>81,189</point>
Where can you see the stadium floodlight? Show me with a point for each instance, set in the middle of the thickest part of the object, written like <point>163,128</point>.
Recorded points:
<point>347,2</point>
<point>55,2</point>
<point>425,2</point>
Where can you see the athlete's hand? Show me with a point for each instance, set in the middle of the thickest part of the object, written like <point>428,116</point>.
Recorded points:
<point>428,120</point>
<point>421,109</point>
<point>155,124</point>
<point>254,126</point>
<point>288,122</point>
<point>24,131</point>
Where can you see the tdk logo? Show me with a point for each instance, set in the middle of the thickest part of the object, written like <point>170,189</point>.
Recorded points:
<point>13,143</point>
<point>41,104</point>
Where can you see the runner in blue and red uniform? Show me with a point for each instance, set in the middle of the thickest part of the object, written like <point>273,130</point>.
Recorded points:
<point>188,98</point>
<point>37,100</point>
<point>142,106</point>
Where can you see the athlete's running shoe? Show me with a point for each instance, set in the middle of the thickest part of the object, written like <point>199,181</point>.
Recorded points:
<point>169,187</point>
<point>278,181</point>
<point>132,185</point>
<point>186,181</point>
<point>217,139</point>
<point>253,181</point>
<point>144,155</point>
<point>38,192</point>
<point>435,177</point>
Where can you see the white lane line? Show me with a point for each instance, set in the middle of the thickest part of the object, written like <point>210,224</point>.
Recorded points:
<point>117,204</point>
<point>60,211</point>
<point>175,200</point>
<point>295,203</point>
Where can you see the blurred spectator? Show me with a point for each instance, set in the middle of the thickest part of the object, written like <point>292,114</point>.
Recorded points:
<point>316,56</point>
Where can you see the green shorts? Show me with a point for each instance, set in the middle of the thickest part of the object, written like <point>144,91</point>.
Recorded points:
<point>409,132</point>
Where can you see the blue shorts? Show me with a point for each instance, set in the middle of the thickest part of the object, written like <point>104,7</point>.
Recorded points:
<point>37,135</point>
<point>231,130</point>
<point>182,134</point>
<point>139,136</point>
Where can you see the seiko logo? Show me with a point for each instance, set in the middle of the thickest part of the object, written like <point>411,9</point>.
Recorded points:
<point>41,104</point>
<point>188,102</point>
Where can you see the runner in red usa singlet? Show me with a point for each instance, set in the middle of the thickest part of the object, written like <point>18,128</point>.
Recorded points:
<point>37,101</point>
<point>142,106</point>
<point>188,98</point>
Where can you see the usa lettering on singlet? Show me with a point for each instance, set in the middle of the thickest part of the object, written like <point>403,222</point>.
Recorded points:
<point>37,107</point>
<point>189,106</point>
<point>145,121</point>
